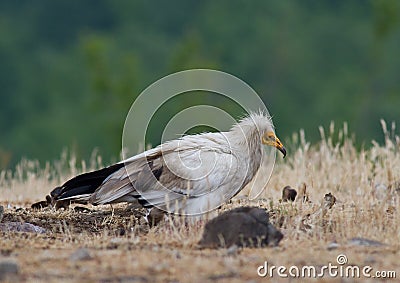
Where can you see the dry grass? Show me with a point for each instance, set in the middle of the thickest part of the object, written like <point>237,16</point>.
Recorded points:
<point>365,182</point>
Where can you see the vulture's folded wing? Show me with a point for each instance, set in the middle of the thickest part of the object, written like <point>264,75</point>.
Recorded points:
<point>175,174</point>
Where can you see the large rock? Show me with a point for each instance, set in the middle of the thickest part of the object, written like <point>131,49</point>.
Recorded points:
<point>21,227</point>
<point>243,226</point>
<point>8,269</point>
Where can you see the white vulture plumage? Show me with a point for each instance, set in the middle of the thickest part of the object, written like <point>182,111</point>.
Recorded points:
<point>189,175</point>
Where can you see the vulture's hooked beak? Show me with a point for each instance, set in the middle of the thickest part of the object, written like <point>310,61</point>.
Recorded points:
<point>271,139</point>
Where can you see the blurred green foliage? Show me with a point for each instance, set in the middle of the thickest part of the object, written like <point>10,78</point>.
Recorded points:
<point>69,70</point>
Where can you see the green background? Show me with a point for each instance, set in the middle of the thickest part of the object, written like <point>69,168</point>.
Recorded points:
<point>69,70</point>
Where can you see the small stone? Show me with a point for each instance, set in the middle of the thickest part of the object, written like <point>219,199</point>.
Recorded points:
<point>219,276</point>
<point>8,268</point>
<point>1,212</point>
<point>117,241</point>
<point>21,227</point>
<point>120,231</point>
<point>357,241</point>
<point>232,250</point>
<point>370,260</point>
<point>333,246</point>
<point>80,254</point>
<point>288,194</point>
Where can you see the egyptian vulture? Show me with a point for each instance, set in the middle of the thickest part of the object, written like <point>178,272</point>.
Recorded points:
<point>189,175</point>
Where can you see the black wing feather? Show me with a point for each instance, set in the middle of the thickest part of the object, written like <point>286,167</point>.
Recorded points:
<point>85,183</point>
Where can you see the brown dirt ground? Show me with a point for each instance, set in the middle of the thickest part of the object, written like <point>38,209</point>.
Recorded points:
<point>122,248</point>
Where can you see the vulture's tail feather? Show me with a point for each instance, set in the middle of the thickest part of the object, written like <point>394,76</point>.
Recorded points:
<point>80,188</point>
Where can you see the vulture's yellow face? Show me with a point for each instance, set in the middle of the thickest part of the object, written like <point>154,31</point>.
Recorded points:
<point>269,138</point>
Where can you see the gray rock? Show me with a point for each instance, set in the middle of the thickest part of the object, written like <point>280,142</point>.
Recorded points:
<point>80,254</point>
<point>21,227</point>
<point>232,250</point>
<point>1,212</point>
<point>243,226</point>
<point>8,268</point>
<point>364,242</point>
<point>333,246</point>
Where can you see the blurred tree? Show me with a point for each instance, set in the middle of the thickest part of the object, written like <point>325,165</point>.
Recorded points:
<point>70,70</point>
<point>113,88</point>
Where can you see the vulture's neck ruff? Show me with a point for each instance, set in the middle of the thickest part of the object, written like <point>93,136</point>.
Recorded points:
<point>247,135</point>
